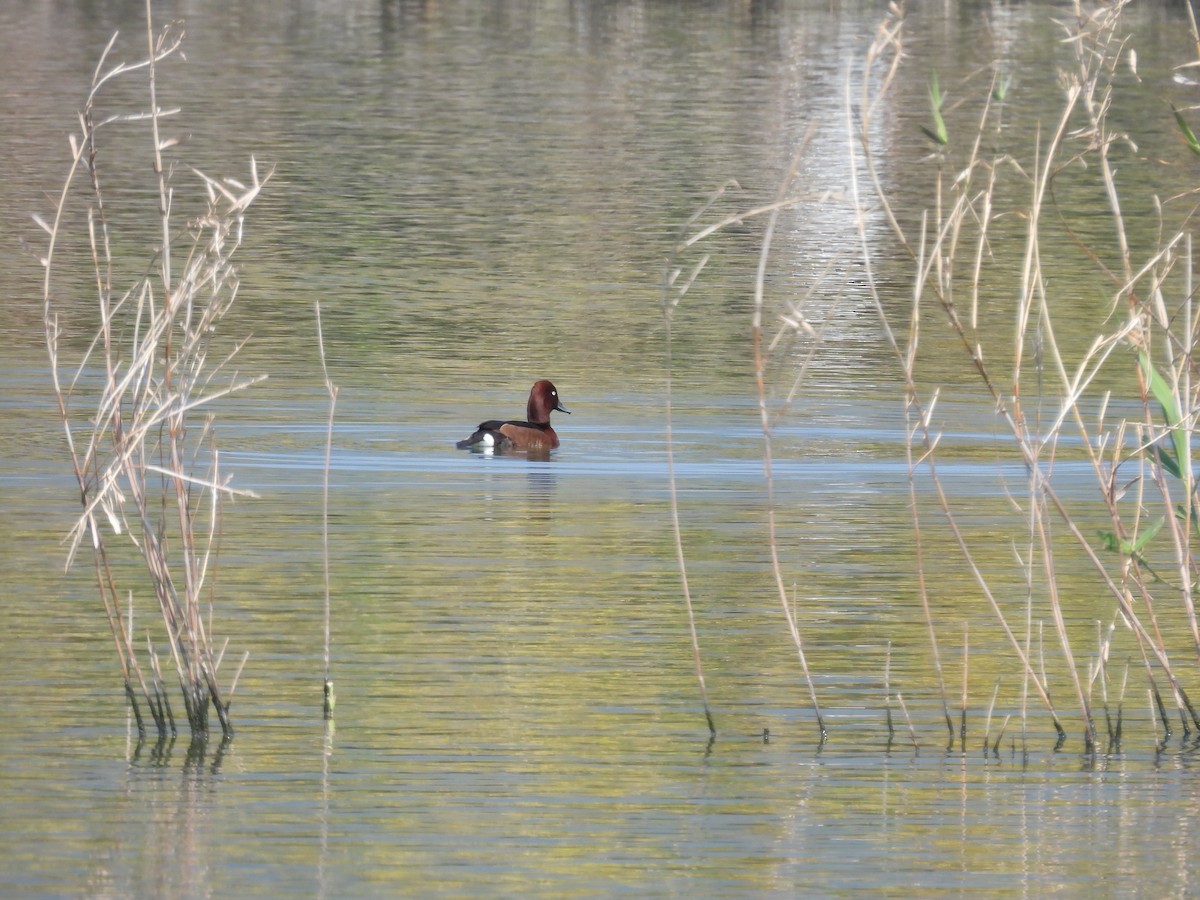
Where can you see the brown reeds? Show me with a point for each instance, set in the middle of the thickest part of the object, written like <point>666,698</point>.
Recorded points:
<point>1043,396</point>
<point>885,54</point>
<point>148,472</point>
<point>952,238</point>
<point>673,290</point>
<point>767,420</point>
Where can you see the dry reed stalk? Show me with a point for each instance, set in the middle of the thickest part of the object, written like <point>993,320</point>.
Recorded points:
<point>1100,675</point>
<point>1098,46</point>
<point>887,692</point>
<point>672,292</point>
<point>1097,62</point>
<point>987,722</point>
<point>331,389</point>
<point>1000,736</point>
<point>1173,390</point>
<point>919,555</point>
<point>1159,714</point>
<point>84,154</point>
<point>911,463</point>
<point>942,237</point>
<point>765,417</point>
<point>139,468</point>
<point>1116,739</point>
<point>887,46</point>
<point>912,732</point>
<point>966,670</point>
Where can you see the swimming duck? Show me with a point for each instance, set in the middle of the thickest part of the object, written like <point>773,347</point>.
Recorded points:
<point>534,434</point>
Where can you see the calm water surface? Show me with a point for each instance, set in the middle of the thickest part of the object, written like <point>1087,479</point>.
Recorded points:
<point>481,195</point>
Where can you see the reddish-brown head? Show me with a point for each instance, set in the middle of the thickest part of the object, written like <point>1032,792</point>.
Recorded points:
<point>543,400</point>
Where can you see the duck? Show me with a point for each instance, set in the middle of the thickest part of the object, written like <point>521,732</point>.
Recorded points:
<point>533,434</point>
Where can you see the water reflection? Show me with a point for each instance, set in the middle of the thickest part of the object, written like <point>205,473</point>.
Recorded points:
<point>203,755</point>
<point>539,455</point>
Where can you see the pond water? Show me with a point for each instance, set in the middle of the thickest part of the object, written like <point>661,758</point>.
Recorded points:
<point>480,195</point>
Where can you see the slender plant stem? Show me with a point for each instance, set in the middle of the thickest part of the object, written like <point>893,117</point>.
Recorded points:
<point>332,390</point>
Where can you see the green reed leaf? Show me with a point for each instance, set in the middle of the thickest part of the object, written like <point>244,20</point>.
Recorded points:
<point>1189,136</point>
<point>938,133</point>
<point>1000,91</point>
<point>1160,389</point>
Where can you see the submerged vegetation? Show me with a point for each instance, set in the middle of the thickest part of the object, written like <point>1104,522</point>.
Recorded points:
<point>1046,396</point>
<point>134,397</point>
